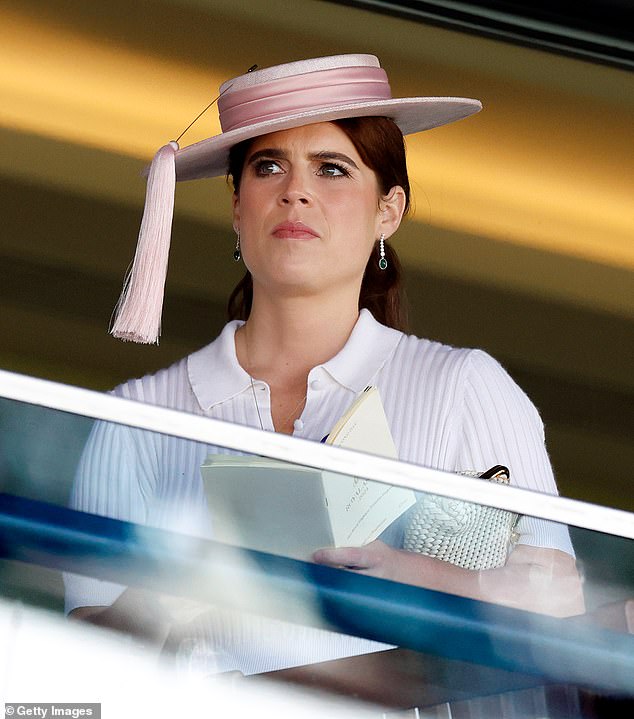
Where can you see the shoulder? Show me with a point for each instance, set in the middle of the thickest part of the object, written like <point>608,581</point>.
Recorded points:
<point>167,387</point>
<point>488,381</point>
<point>430,356</point>
<point>463,374</point>
<point>471,364</point>
<point>191,383</point>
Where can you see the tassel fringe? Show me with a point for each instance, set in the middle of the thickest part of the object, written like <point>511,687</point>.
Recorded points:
<point>139,309</point>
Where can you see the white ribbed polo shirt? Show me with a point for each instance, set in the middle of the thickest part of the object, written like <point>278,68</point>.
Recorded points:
<point>448,408</point>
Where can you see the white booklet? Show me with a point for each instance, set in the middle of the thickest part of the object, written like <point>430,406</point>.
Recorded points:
<point>292,510</point>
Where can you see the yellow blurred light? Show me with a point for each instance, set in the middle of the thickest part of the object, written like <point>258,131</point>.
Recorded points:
<point>62,85</point>
<point>567,211</point>
<point>59,84</point>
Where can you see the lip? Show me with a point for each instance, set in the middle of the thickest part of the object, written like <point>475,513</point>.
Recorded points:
<point>294,231</point>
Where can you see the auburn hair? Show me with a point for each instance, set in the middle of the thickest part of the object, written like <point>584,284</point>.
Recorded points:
<point>381,146</point>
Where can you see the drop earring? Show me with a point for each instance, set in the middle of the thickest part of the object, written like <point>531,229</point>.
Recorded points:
<point>237,255</point>
<point>382,260</point>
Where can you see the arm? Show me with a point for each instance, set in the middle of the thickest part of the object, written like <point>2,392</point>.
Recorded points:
<point>496,423</point>
<point>135,612</point>
<point>110,481</point>
<point>492,422</point>
<point>535,579</point>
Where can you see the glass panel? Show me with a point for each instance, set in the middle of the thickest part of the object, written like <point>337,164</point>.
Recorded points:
<point>158,572</point>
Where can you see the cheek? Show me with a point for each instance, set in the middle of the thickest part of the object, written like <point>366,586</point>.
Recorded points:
<point>250,211</point>
<point>362,205</point>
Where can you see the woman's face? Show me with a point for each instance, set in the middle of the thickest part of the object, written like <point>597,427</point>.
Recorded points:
<point>309,211</point>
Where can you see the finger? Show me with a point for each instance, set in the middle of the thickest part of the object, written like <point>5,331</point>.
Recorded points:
<point>351,557</point>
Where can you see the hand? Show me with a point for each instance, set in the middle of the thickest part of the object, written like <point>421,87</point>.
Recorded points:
<point>376,559</point>
<point>534,578</point>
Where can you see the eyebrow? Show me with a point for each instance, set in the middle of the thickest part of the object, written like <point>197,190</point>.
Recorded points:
<point>330,155</point>
<point>268,152</point>
<point>275,153</point>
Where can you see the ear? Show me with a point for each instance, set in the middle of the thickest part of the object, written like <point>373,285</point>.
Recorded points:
<point>235,203</point>
<point>391,209</point>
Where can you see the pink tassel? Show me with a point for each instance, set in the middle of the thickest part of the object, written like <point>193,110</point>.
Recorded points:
<point>138,312</point>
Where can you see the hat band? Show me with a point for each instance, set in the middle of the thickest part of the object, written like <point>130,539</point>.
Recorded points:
<point>302,93</point>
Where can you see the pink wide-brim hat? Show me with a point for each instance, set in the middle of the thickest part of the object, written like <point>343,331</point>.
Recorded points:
<point>257,103</point>
<point>309,91</point>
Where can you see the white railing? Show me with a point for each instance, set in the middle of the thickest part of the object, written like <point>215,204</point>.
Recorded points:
<point>101,406</point>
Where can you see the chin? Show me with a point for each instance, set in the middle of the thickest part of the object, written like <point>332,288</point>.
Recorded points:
<point>289,272</point>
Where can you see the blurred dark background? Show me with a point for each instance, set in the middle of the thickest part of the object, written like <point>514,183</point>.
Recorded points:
<point>522,238</point>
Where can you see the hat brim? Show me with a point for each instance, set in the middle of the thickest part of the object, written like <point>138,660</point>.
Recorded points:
<point>208,158</point>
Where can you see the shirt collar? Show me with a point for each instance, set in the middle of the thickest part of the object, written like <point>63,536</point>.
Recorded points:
<point>216,376</point>
<point>214,372</point>
<point>368,348</point>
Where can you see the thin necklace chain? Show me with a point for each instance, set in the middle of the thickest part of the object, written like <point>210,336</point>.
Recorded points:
<point>255,399</point>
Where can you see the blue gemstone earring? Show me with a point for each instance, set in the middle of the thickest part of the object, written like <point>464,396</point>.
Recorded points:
<point>382,260</point>
<point>237,255</point>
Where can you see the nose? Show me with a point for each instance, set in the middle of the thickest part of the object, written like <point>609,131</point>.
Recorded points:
<point>296,190</point>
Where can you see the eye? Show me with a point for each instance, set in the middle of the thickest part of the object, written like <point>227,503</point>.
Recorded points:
<point>332,169</point>
<point>267,167</point>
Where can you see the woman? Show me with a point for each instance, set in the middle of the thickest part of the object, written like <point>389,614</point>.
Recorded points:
<point>315,151</point>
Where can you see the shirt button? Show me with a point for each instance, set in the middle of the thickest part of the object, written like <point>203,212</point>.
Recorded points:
<point>315,384</point>
<point>298,425</point>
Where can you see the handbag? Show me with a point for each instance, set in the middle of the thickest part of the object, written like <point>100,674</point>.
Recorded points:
<point>469,535</point>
